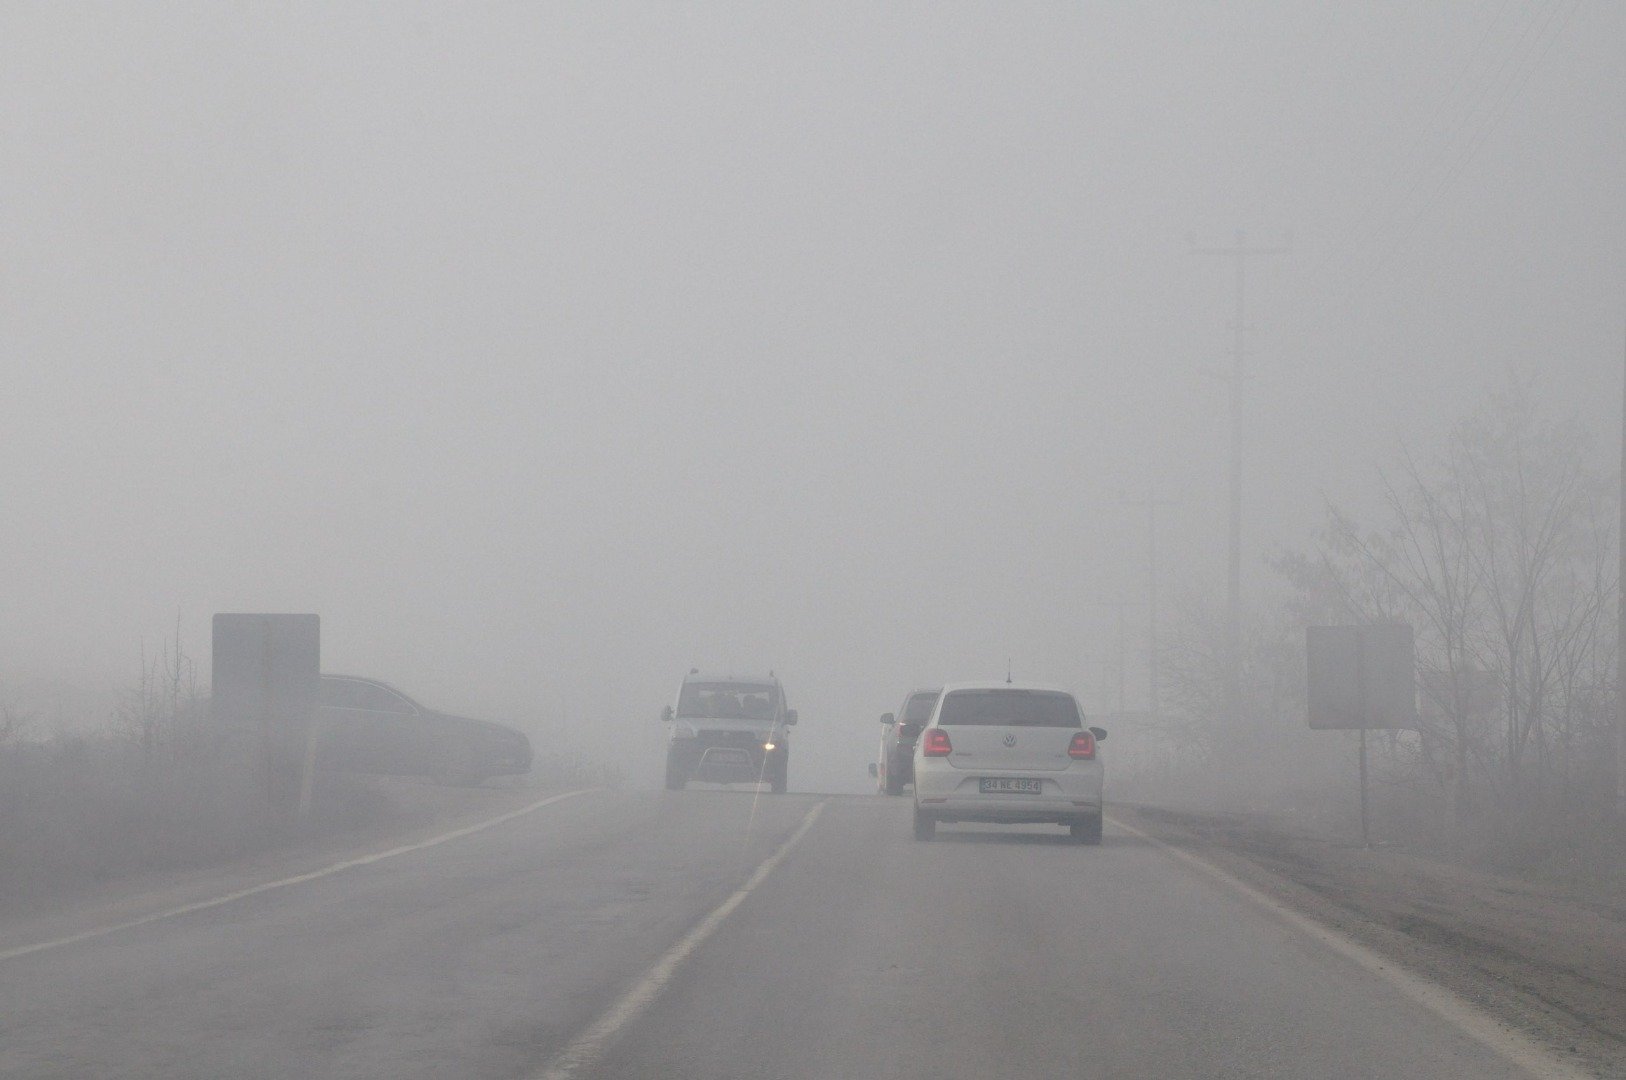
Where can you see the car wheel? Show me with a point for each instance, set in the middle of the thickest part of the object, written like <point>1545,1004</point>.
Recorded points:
<point>779,779</point>
<point>458,770</point>
<point>676,775</point>
<point>1087,831</point>
<point>925,826</point>
<point>894,786</point>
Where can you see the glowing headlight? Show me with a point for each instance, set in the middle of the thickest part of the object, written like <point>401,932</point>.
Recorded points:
<point>767,746</point>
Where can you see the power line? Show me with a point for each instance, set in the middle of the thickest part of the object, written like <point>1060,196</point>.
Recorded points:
<point>1421,148</point>
<point>1490,97</point>
<point>1505,98</point>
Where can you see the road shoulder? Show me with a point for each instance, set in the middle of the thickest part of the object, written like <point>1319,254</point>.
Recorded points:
<point>423,812</point>
<point>1549,964</point>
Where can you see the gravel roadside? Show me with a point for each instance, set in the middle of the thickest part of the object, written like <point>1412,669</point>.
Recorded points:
<point>1550,962</point>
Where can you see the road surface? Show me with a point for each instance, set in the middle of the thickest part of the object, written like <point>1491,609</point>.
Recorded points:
<point>712,933</point>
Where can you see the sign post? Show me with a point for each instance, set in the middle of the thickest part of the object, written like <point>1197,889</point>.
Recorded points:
<point>265,674</point>
<point>1366,832</point>
<point>1362,677</point>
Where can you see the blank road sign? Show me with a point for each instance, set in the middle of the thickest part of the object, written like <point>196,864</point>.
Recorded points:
<point>1362,676</point>
<point>265,673</point>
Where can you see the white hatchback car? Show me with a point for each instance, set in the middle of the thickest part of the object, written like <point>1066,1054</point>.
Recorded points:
<point>1013,754</point>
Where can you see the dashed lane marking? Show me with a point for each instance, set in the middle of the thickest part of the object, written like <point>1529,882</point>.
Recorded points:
<point>585,1049</point>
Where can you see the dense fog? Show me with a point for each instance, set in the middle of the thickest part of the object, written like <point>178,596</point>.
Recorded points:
<point>547,351</point>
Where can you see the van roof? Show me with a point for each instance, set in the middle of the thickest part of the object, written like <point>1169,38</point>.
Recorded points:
<point>768,679</point>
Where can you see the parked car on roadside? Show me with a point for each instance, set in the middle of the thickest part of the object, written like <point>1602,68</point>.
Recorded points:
<point>365,725</point>
<point>894,763</point>
<point>1013,754</point>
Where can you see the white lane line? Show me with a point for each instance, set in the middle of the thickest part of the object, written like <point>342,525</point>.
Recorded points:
<point>299,879</point>
<point>585,1049</point>
<point>1472,1021</point>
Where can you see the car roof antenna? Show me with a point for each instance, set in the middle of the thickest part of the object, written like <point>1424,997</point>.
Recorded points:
<point>1007,671</point>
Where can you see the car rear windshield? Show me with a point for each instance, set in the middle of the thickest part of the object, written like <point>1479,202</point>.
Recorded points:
<point>1010,708</point>
<point>728,700</point>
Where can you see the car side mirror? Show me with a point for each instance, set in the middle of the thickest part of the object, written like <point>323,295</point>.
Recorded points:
<point>666,715</point>
<point>873,771</point>
<point>790,716</point>
<point>1099,733</point>
<point>887,718</point>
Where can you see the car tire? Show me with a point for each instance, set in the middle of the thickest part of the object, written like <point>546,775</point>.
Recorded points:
<point>1087,831</point>
<point>779,778</point>
<point>925,826</point>
<point>676,775</point>
<point>458,770</point>
<point>894,786</point>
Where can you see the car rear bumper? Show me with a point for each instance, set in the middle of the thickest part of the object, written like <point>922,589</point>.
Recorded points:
<point>950,794</point>
<point>1008,812</point>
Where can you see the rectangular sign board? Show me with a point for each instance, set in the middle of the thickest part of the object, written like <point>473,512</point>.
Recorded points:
<point>1362,677</point>
<point>266,670</point>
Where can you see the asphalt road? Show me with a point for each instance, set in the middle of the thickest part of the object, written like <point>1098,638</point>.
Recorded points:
<point>608,935</point>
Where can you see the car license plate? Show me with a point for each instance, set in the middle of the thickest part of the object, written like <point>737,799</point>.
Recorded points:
<point>1004,785</point>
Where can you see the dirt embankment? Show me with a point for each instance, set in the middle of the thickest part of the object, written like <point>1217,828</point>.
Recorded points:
<point>1550,960</point>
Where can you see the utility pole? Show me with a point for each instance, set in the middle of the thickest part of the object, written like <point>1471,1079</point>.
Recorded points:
<point>1239,253</point>
<point>1620,632</point>
<point>1150,503</point>
<point>1119,606</point>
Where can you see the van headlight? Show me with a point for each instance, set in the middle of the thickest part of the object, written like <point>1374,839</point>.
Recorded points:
<point>682,730</point>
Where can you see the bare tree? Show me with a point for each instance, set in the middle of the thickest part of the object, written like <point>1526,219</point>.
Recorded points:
<point>1498,554</point>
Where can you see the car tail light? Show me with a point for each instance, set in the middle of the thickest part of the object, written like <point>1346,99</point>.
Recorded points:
<point>937,744</point>
<point>1082,746</point>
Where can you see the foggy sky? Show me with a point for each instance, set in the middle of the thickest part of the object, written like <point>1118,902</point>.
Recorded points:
<point>546,350</point>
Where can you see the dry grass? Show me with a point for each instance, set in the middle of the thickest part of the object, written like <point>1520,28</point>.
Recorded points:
<point>75,812</point>
<point>159,789</point>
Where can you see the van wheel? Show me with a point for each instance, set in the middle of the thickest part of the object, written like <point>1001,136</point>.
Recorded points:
<point>925,827</point>
<point>1087,831</point>
<point>779,778</point>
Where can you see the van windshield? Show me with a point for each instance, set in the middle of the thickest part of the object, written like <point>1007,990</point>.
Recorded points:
<point>730,701</point>
<point>1010,708</point>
